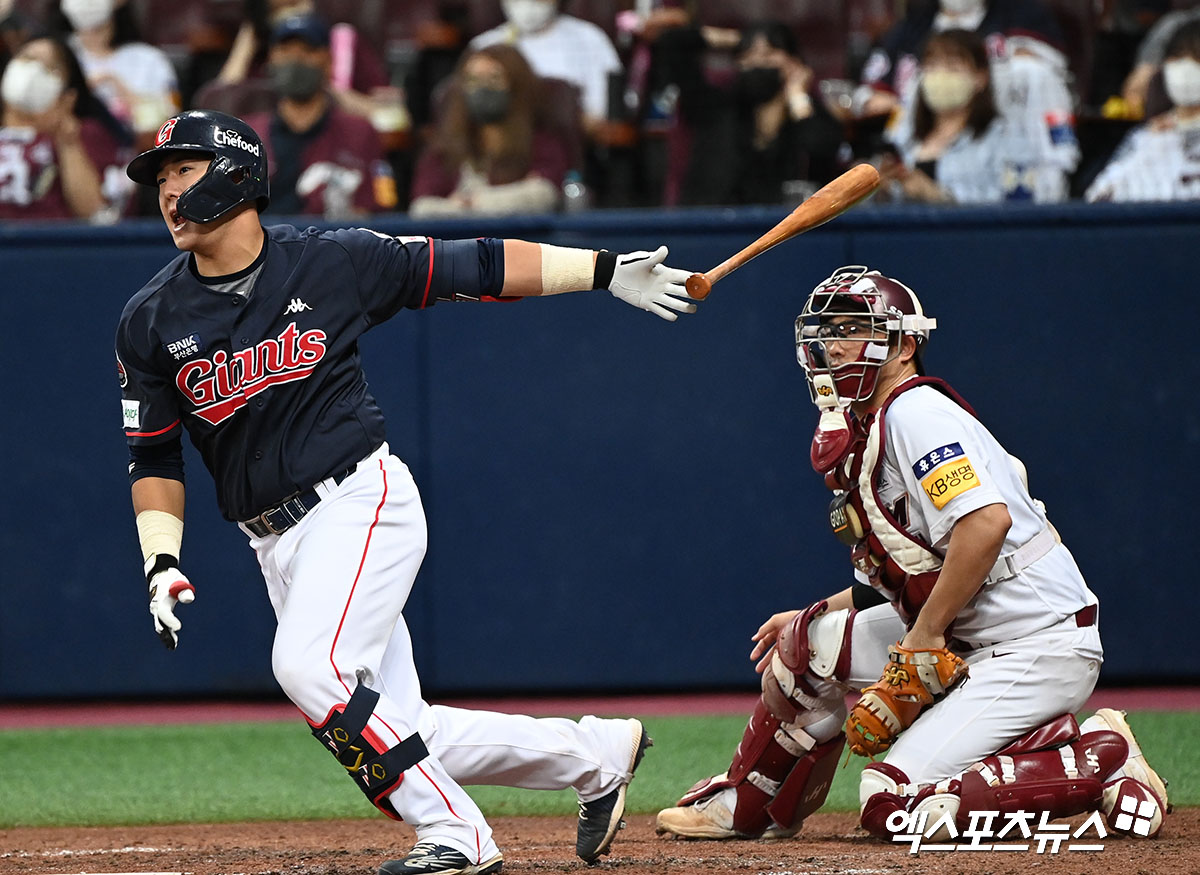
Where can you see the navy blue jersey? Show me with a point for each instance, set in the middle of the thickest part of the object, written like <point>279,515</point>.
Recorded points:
<point>269,386</point>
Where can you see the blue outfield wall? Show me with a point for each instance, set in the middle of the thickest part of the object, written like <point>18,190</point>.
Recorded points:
<point>615,502</point>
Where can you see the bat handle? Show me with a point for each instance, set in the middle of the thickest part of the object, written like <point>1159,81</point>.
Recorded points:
<point>698,286</point>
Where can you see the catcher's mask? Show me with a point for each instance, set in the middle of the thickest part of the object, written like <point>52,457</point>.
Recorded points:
<point>861,307</point>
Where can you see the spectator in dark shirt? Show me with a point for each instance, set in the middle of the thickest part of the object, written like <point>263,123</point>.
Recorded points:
<point>358,77</point>
<point>323,159</point>
<point>492,151</point>
<point>766,138</point>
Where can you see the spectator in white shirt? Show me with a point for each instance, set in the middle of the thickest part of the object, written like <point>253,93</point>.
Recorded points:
<point>136,81</point>
<point>1160,161</point>
<point>560,46</point>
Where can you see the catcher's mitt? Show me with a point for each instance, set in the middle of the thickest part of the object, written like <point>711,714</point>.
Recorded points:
<point>912,680</point>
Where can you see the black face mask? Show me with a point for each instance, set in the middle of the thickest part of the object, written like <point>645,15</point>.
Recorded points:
<point>757,85</point>
<point>296,80</point>
<point>487,105</point>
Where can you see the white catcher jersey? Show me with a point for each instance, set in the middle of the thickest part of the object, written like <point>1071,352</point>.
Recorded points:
<point>940,463</point>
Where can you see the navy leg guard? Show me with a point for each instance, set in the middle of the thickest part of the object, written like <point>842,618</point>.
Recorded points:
<point>375,769</point>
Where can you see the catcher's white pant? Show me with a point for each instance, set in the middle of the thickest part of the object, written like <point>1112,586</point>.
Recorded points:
<point>1013,687</point>
<point>338,581</point>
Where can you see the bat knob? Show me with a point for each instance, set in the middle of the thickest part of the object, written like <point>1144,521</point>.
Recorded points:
<point>698,286</point>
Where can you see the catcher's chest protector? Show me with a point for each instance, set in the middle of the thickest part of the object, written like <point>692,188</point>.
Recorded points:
<point>900,564</point>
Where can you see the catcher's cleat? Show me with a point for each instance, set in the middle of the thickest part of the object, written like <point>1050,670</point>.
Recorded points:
<point>1135,766</point>
<point>710,818</point>
<point>600,819</point>
<point>428,858</point>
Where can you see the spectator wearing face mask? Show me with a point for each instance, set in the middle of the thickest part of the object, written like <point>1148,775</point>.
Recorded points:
<point>989,155</point>
<point>1008,27</point>
<point>323,160</point>
<point>953,151</point>
<point>358,78</point>
<point>785,140</point>
<point>135,80</point>
<point>1136,91</point>
<point>1160,161</point>
<point>559,46</point>
<point>62,153</point>
<point>490,153</point>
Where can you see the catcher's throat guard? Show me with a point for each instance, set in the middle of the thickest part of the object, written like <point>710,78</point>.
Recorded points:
<point>376,769</point>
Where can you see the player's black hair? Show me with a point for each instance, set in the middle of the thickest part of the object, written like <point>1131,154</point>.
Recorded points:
<point>777,34</point>
<point>970,46</point>
<point>1185,42</point>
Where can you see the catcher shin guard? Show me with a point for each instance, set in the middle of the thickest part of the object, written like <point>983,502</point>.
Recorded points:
<point>785,762</point>
<point>1062,778</point>
<point>376,769</point>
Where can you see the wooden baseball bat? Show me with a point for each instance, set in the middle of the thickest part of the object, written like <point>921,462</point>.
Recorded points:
<point>827,203</point>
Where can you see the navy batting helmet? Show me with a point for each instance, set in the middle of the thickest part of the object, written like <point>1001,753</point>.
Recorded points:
<point>238,172</point>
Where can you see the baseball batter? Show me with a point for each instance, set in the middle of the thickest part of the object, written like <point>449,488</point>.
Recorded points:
<point>248,341</point>
<point>975,629</point>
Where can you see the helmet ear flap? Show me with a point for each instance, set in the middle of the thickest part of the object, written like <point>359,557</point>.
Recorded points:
<point>224,186</point>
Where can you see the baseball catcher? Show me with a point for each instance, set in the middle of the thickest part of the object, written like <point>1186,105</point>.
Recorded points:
<point>968,627</point>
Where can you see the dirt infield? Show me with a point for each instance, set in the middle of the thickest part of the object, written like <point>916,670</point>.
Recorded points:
<point>829,844</point>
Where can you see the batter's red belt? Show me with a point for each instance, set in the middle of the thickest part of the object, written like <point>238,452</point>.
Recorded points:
<point>278,519</point>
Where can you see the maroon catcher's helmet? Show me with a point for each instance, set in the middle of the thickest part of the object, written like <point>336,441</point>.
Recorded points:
<point>877,311</point>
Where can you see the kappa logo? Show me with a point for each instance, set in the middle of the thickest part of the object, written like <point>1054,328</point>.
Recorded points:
<point>223,384</point>
<point>295,306</point>
<point>164,133</point>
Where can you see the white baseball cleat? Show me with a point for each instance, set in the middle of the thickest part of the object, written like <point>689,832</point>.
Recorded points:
<point>710,818</point>
<point>1135,766</point>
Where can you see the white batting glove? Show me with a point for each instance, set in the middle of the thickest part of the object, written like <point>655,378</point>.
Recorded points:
<point>169,588</point>
<point>641,279</point>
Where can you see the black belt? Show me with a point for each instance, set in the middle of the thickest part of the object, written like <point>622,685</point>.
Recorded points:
<point>278,519</point>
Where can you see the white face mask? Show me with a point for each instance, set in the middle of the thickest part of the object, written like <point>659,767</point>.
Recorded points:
<point>1181,76</point>
<point>946,90</point>
<point>87,14</point>
<point>959,8</point>
<point>528,16</point>
<point>27,85</point>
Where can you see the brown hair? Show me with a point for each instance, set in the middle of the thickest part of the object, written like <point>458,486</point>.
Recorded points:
<point>969,47</point>
<point>458,137</point>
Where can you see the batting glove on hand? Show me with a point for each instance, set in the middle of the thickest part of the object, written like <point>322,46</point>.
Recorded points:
<point>641,279</point>
<point>169,588</point>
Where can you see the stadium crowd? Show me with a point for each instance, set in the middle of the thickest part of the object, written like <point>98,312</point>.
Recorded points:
<point>447,107</point>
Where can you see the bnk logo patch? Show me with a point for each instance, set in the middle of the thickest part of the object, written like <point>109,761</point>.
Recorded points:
<point>944,473</point>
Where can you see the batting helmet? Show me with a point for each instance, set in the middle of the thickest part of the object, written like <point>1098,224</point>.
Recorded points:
<point>238,172</point>
<point>877,311</point>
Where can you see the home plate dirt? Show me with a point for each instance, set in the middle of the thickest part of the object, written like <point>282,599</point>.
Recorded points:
<point>830,844</point>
